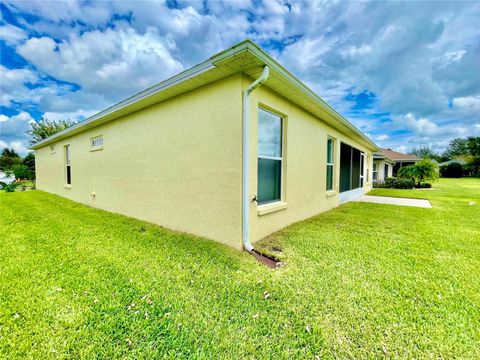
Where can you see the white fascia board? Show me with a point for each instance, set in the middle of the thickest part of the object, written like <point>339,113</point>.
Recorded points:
<point>171,82</point>
<point>205,66</point>
<point>273,64</point>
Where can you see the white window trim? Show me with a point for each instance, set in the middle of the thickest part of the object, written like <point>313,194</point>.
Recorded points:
<point>68,165</point>
<point>331,191</point>
<point>269,207</point>
<point>96,147</point>
<point>367,169</point>
<point>374,172</point>
<point>362,167</point>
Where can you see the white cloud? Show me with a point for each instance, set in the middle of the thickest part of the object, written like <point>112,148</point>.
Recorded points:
<point>63,11</point>
<point>75,115</point>
<point>114,62</point>
<point>470,103</point>
<point>13,84</point>
<point>382,137</point>
<point>20,147</point>
<point>12,35</point>
<point>416,58</point>
<point>13,131</point>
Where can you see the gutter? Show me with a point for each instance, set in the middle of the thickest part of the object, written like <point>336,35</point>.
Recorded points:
<point>278,69</point>
<point>210,64</point>
<point>245,160</point>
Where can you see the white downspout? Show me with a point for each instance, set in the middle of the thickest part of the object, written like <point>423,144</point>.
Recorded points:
<point>245,160</point>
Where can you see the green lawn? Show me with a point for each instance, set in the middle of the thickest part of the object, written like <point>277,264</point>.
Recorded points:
<point>361,281</point>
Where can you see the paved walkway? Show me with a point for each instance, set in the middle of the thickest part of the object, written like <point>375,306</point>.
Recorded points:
<point>395,201</point>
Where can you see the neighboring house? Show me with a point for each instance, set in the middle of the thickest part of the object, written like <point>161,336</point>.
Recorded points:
<point>232,149</point>
<point>399,158</point>
<point>461,162</point>
<point>382,167</point>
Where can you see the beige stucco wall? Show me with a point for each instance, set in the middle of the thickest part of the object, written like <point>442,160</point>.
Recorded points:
<point>304,165</point>
<point>177,164</point>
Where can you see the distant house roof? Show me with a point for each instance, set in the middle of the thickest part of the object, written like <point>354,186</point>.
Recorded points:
<point>380,156</point>
<point>245,57</point>
<point>396,156</point>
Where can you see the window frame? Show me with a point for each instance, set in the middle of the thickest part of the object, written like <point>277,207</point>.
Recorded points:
<point>68,166</point>
<point>367,169</point>
<point>374,171</point>
<point>96,147</point>
<point>275,158</point>
<point>332,164</point>
<point>362,169</point>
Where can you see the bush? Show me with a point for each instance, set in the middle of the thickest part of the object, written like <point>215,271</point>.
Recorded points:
<point>396,183</point>
<point>453,170</point>
<point>425,185</point>
<point>8,187</point>
<point>421,171</point>
<point>21,171</point>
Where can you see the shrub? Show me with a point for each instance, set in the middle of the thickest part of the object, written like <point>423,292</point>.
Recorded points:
<point>21,171</point>
<point>8,187</point>
<point>453,170</point>
<point>423,170</point>
<point>397,183</point>
<point>425,185</point>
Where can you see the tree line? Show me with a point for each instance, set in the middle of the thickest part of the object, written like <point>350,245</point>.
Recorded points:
<point>465,149</point>
<point>24,167</point>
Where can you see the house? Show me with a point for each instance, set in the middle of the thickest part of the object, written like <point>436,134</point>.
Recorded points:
<point>232,149</point>
<point>382,167</point>
<point>454,161</point>
<point>400,159</point>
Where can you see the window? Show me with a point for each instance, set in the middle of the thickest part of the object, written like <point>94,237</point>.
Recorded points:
<point>362,167</point>
<point>96,143</point>
<point>330,150</point>
<point>270,128</point>
<point>374,172</point>
<point>68,171</point>
<point>369,157</point>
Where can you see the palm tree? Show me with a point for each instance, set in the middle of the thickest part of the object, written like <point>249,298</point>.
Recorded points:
<point>10,153</point>
<point>423,170</point>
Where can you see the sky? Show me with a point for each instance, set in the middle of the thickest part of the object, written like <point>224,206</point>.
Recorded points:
<point>406,73</point>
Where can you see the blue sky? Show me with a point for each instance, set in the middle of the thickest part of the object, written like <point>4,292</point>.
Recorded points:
<point>406,73</point>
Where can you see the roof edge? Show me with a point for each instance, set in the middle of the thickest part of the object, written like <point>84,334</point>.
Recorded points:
<point>275,65</point>
<point>212,62</point>
<point>170,82</point>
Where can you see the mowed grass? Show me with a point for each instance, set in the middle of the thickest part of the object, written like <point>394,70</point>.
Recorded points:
<point>361,281</point>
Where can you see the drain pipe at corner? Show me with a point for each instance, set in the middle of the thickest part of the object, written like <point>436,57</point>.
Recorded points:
<point>246,159</point>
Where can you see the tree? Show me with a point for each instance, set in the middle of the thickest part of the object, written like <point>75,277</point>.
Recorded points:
<point>457,147</point>
<point>453,170</point>
<point>473,144</point>
<point>21,172</point>
<point>474,166</point>
<point>423,170</point>
<point>45,128</point>
<point>9,158</point>
<point>425,152</point>
<point>29,161</point>
<point>10,153</point>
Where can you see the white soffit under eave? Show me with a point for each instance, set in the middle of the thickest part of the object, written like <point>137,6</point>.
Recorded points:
<point>246,58</point>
